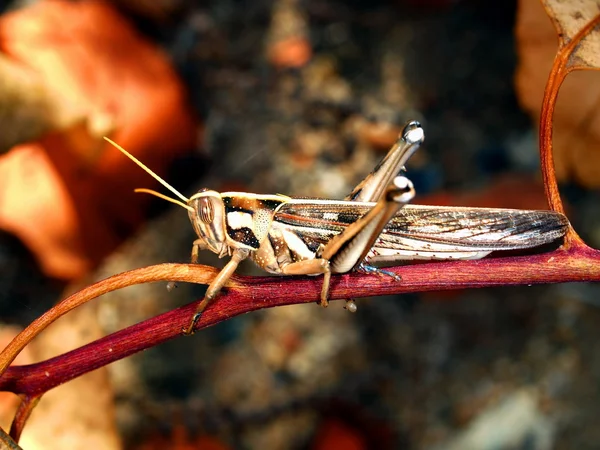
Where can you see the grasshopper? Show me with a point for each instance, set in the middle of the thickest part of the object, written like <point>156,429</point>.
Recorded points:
<point>298,236</point>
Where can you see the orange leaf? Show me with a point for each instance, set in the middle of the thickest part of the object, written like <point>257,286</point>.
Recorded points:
<point>69,196</point>
<point>576,118</point>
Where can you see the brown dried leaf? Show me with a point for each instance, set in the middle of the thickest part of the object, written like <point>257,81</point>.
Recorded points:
<point>587,54</point>
<point>576,118</point>
<point>569,18</point>
<point>69,196</point>
<point>28,107</point>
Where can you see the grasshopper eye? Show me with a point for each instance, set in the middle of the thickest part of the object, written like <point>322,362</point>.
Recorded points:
<point>206,211</point>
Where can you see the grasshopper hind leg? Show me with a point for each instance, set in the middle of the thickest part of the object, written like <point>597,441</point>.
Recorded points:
<point>347,250</point>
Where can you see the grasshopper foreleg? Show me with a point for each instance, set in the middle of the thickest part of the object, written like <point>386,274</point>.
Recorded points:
<point>215,287</point>
<point>197,246</point>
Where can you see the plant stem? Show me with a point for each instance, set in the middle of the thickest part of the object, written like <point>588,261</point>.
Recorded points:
<point>245,294</point>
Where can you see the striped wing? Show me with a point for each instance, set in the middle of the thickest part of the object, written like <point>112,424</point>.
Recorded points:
<point>427,232</point>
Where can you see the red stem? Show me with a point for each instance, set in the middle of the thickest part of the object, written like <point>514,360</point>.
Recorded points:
<point>23,412</point>
<point>560,69</point>
<point>555,79</point>
<point>579,263</point>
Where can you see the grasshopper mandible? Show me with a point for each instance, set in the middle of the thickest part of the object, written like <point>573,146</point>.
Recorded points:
<point>292,236</point>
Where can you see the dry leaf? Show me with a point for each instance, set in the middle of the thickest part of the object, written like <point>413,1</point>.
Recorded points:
<point>28,107</point>
<point>569,18</point>
<point>576,118</point>
<point>69,196</point>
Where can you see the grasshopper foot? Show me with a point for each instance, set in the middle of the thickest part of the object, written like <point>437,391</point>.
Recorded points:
<point>190,328</point>
<point>171,285</point>
<point>364,268</point>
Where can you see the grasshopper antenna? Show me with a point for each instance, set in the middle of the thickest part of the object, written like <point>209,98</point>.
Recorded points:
<point>156,177</point>
<point>164,197</point>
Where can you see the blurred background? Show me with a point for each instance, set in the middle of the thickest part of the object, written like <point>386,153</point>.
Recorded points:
<point>300,97</point>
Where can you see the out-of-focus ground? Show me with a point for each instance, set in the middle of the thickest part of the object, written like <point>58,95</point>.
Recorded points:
<point>303,98</point>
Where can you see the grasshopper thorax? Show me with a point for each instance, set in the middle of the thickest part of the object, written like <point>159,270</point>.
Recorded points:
<point>207,215</point>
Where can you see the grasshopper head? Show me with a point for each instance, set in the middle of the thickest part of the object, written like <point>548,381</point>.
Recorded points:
<point>208,219</point>
<point>206,209</point>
